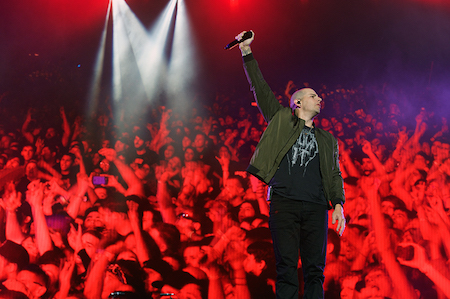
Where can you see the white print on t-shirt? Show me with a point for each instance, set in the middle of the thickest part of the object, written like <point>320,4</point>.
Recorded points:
<point>304,150</point>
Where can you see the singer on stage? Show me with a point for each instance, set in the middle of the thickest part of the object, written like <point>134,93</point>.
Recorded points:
<point>300,164</point>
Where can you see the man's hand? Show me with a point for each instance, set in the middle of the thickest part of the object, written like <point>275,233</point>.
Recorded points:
<point>419,260</point>
<point>224,161</point>
<point>11,199</point>
<point>338,214</point>
<point>245,45</point>
<point>109,153</point>
<point>35,194</point>
<point>367,148</point>
<point>133,215</point>
<point>165,115</point>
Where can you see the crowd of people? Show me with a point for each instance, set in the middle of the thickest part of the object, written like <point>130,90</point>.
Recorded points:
<point>123,207</point>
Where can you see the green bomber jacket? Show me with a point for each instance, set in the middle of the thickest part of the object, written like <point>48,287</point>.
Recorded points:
<point>281,133</point>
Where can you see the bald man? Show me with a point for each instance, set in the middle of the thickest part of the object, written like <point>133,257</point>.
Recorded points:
<point>300,164</point>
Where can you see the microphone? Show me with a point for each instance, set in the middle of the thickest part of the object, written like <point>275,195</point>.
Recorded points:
<point>166,294</point>
<point>246,35</point>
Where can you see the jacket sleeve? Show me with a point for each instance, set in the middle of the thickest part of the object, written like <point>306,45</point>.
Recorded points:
<point>337,184</point>
<point>267,103</point>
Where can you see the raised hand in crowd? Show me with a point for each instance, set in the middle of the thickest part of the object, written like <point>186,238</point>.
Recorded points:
<point>236,254</point>
<point>289,87</point>
<point>65,127</point>
<point>77,199</point>
<point>209,265</point>
<point>35,197</point>
<point>65,277</point>
<point>40,144</point>
<point>401,286</point>
<point>135,186</point>
<point>77,128</point>
<point>142,251</point>
<point>11,201</point>
<point>416,257</point>
<point>161,138</point>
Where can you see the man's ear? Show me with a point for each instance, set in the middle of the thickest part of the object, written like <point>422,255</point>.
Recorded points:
<point>330,248</point>
<point>11,268</point>
<point>27,219</point>
<point>40,291</point>
<point>261,265</point>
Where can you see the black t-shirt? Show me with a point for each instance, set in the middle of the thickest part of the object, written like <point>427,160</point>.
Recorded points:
<point>69,179</point>
<point>149,157</point>
<point>298,176</point>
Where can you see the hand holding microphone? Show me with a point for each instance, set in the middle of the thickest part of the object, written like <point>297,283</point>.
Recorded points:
<point>245,37</point>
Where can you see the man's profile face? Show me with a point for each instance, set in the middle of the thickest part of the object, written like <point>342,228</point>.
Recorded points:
<point>93,220</point>
<point>13,162</point>
<point>199,140</point>
<point>107,217</point>
<point>443,151</point>
<point>188,155</point>
<point>367,166</point>
<point>378,283</point>
<point>138,142</point>
<point>46,153</point>
<point>119,146</point>
<point>5,141</point>
<point>192,255</point>
<point>147,220</point>
<point>190,291</point>
<point>310,101</point>
<point>325,123</point>
<point>66,162</point>
<point>50,133</point>
<point>3,263</point>
<point>233,188</point>
<point>254,133</point>
<point>186,142</point>
<point>101,192</point>
<point>34,284</point>
<point>400,219</point>
<point>251,265</point>
<point>169,152</point>
<point>31,170</point>
<point>387,208</point>
<point>246,211</point>
<point>27,152</point>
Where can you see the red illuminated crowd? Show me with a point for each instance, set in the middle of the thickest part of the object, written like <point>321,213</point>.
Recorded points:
<point>116,206</point>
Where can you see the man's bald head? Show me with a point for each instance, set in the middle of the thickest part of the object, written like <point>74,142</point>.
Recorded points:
<point>298,95</point>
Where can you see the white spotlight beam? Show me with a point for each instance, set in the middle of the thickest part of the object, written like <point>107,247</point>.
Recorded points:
<point>119,51</point>
<point>153,58</point>
<point>98,67</point>
<point>132,41</point>
<point>183,62</point>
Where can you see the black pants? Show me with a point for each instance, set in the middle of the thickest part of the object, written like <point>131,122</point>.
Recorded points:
<point>298,225</point>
